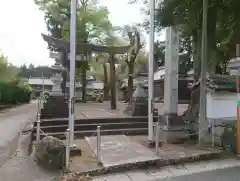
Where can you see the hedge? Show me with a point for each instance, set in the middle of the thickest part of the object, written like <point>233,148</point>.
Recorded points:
<point>13,94</point>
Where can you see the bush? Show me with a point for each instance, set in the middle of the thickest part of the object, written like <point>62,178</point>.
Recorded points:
<point>13,94</point>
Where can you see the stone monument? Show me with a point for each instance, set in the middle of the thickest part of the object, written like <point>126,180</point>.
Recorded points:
<point>172,126</point>
<point>138,106</point>
<point>56,106</point>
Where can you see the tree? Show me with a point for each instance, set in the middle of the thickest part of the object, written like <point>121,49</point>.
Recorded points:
<point>223,27</point>
<point>93,24</point>
<point>32,71</point>
<point>132,33</point>
<point>8,72</point>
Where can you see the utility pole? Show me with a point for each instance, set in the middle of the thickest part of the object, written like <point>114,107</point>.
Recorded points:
<point>150,71</point>
<point>202,109</point>
<point>72,69</point>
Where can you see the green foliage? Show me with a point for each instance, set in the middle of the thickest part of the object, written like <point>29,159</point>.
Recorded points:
<point>13,94</point>
<point>32,71</point>
<point>27,87</point>
<point>8,72</point>
<point>223,27</point>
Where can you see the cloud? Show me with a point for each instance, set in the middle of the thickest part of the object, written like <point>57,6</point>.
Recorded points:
<point>20,33</point>
<point>22,24</point>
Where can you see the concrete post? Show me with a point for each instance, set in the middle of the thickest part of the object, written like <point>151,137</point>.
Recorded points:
<point>171,75</point>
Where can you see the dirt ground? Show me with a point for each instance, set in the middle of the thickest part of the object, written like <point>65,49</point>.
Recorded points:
<point>92,110</point>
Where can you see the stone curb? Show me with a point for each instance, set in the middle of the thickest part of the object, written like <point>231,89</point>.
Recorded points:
<point>147,164</point>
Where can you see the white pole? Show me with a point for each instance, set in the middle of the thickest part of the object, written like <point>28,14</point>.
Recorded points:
<point>157,137</point>
<point>72,68</point>
<point>150,72</point>
<point>67,156</point>
<point>98,144</point>
<point>38,131</point>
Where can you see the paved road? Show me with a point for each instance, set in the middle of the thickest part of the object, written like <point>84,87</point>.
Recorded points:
<point>215,170</point>
<point>227,174</point>
<point>12,121</point>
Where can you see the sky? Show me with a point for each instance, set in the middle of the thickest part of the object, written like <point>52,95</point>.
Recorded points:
<point>22,24</point>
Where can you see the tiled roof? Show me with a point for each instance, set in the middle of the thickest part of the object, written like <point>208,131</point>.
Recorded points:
<point>218,83</point>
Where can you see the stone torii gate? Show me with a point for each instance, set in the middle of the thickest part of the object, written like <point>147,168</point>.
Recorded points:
<point>85,51</point>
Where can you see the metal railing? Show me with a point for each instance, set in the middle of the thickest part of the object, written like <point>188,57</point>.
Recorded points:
<point>98,144</point>
<point>157,127</point>
<point>67,134</point>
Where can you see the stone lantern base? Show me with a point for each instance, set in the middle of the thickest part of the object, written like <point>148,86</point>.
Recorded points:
<point>55,107</point>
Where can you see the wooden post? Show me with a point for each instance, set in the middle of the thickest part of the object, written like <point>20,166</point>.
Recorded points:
<point>113,81</point>
<point>238,104</point>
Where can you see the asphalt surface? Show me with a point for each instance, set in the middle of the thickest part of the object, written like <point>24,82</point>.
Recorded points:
<point>12,121</point>
<point>227,174</point>
<point>212,170</point>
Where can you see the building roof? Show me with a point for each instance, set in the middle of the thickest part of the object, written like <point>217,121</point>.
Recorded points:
<point>159,74</point>
<point>221,83</point>
<point>40,81</point>
<point>90,85</point>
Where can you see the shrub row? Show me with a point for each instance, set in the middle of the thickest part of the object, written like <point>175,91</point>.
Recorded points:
<point>13,94</point>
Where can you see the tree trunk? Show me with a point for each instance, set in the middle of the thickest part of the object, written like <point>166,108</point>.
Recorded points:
<point>84,84</point>
<point>211,31</point>
<point>197,51</point>
<point>113,81</point>
<point>130,80</point>
<point>105,89</point>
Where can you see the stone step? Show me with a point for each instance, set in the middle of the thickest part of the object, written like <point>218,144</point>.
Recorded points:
<point>104,126</point>
<point>59,121</point>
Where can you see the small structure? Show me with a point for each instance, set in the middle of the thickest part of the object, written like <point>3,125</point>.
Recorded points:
<point>221,96</point>
<point>38,84</point>
<point>139,104</point>
<point>92,87</point>
<point>221,104</point>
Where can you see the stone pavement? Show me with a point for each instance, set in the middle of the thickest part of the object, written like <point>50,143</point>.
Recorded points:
<point>120,153</point>
<point>12,121</point>
<point>118,150</point>
<point>216,170</point>
<point>96,110</point>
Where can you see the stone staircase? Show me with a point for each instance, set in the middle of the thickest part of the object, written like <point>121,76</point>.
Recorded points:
<point>87,127</point>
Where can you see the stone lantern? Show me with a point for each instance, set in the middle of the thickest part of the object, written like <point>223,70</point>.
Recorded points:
<point>57,79</point>
<point>57,70</point>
